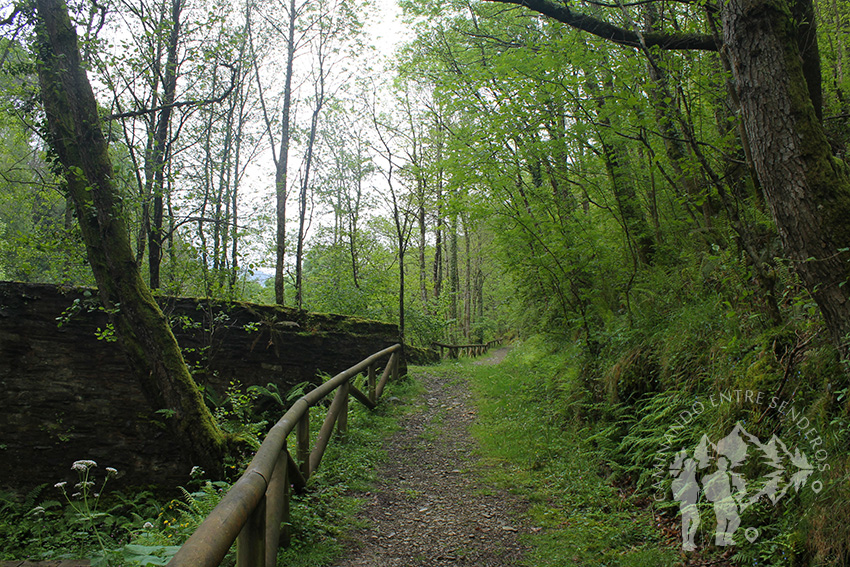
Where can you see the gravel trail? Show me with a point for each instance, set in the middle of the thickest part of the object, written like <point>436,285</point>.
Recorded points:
<point>431,506</point>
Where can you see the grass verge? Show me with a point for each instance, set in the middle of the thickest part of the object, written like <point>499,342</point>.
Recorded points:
<point>531,446</point>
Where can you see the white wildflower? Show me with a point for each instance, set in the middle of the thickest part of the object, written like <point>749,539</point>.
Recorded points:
<point>147,525</point>
<point>60,485</point>
<point>83,466</point>
<point>76,495</point>
<point>111,472</point>
<point>196,472</point>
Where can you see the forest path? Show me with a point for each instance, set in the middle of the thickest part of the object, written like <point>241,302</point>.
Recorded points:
<point>431,506</point>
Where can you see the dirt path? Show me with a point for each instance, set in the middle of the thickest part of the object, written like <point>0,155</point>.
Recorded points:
<point>431,506</point>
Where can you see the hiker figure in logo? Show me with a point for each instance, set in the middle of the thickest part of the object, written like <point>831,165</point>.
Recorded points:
<point>718,488</point>
<point>686,491</point>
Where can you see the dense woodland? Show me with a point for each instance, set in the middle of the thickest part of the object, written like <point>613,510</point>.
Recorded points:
<point>658,187</point>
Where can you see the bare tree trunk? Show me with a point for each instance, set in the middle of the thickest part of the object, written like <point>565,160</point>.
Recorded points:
<point>467,308</point>
<point>438,245</point>
<point>209,160</point>
<point>160,149</point>
<point>454,278</point>
<point>479,289</point>
<point>222,221</point>
<point>353,218</point>
<point>280,178</point>
<point>423,277</point>
<point>302,200</point>
<point>236,177</point>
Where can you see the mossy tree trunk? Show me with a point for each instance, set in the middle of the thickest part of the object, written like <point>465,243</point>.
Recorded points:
<point>635,226</point>
<point>807,188</point>
<point>141,327</point>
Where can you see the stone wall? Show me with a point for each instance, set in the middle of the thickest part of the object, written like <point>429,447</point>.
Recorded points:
<point>67,395</point>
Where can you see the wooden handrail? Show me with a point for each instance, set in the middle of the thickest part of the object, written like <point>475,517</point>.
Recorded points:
<point>254,508</point>
<point>471,350</point>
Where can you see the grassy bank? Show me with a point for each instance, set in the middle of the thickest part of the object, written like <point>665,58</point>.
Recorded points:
<point>590,440</point>
<point>534,442</point>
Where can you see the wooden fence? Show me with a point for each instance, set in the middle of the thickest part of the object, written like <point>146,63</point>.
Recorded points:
<point>255,507</point>
<point>470,350</point>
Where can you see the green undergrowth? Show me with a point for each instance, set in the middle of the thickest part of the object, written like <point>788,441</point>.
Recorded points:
<point>701,369</point>
<point>531,447</point>
<point>590,439</point>
<point>89,521</point>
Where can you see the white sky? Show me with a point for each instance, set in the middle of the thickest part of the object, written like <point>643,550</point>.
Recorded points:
<point>387,29</point>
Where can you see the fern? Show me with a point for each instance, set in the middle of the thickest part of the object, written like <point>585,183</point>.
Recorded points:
<point>270,391</point>
<point>32,496</point>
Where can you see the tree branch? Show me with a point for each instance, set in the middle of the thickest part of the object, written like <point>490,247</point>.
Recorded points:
<point>16,9</point>
<point>180,104</point>
<point>618,35</point>
<point>627,4</point>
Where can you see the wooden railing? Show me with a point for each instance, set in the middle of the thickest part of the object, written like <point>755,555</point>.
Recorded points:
<point>255,507</point>
<point>471,350</point>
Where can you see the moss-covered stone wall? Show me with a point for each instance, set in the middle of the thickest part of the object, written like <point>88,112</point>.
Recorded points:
<point>66,394</point>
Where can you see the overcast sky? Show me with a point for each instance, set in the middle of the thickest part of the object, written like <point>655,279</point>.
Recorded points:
<point>387,27</point>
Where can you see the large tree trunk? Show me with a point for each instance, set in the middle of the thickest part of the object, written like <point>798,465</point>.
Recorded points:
<point>141,327</point>
<point>806,187</point>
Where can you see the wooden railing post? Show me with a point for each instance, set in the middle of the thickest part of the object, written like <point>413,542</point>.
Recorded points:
<point>394,358</point>
<point>342,420</point>
<point>250,545</point>
<point>384,377</point>
<point>372,383</point>
<point>277,507</point>
<point>331,418</point>
<point>303,435</point>
<point>285,539</point>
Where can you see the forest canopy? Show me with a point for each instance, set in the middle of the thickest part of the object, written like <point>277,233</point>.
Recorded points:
<point>515,147</point>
